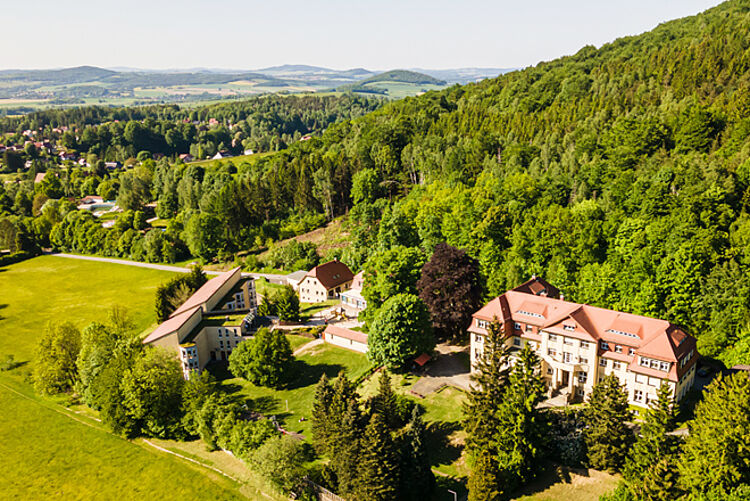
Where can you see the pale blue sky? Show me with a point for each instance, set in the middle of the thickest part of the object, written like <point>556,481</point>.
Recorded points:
<point>376,34</point>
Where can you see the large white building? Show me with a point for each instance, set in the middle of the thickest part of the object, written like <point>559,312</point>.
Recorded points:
<point>579,344</point>
<point>211,323</point>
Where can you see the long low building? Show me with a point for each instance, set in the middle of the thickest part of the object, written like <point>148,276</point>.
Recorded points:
<point>579,344</point>
<point>346,338</point>
<point>211,323</point>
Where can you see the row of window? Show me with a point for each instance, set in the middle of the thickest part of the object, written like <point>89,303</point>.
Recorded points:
<point>654,364</point>
<point>227,332</point>
<point>686,358</point>
<point>553,338</point>
<point>617,348</point>
<point>615,364</point>
<point>568,358</point>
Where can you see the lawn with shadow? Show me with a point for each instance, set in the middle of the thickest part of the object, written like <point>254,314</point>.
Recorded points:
<point>292,404</point>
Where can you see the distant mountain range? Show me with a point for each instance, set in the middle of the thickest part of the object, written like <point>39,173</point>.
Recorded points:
<point>31,89</point>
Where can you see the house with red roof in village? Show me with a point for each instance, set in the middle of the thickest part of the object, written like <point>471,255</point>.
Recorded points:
<point>325,282</point>
<point>211,323</point>
<point>580,344</point>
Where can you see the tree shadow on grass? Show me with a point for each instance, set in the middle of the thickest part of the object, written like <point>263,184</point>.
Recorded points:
<point>440,448</point>
<point>549,475</point>
<point>302,374</point>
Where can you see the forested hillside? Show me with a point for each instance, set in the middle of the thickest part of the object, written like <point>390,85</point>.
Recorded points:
<point>620,174</point>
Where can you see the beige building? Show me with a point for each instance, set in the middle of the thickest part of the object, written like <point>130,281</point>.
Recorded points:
<point>211,323</point>
<point>324,282</point>
<point>580,344</point>
<point>346,338</point>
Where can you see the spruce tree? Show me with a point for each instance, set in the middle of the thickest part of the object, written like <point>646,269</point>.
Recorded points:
<point>345,449</point>
<point>321,421</point>
<point>378,477</point>
<point>417,479</point>
<point>716,455</point>
<point>521,428</point>
<point>650,468</point>
<point>480,417</point>
<point>489,382</point>
<point>385,403</point>
<point>607,435</point>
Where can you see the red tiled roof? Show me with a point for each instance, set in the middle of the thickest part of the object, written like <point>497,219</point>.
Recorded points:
<point>331,274</point>
<point>649,337</point>
<point>359,337</point>
<point>170,325</point>
<point>206,292</point>
<point>538,287</point>
<point>422,359</point>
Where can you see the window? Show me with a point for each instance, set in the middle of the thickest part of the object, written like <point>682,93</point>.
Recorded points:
<point>604,345</point>
<point>638,395</point>
<point>221,344</point>
<point>579,392</point>
<point>618,348</point>
<point>585,344</point>
<point>654,364</point>
<point>631,351</point>
<point>615,331</point>
<point>553,338</point>
<point>582,377</point>
<point>568,327</point>
<point>643,362</point>
<point>516,341</point>
<point>219,331</point>
<point>566,357</point>
<point>482,324</point>
<point>567,340</point>
<point>529,328</point>
<point>583,360</point>
<point>664,366</point>
<point>550,371</point>
<point>616,366</point>
<point>640,378</point>
<point>602,362</point>
<point>517,326</point>
<point>479,339</point>
<point>654,381</point>
<point>551,352</point>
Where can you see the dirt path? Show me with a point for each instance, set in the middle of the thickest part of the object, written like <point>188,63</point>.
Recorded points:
<point>306,347</point>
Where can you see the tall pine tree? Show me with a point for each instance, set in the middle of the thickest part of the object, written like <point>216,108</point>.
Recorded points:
<point>417,479</point>
<point>521,428</point>
<point>321,422</point>
<point>607,435</point>
<point>378,477</point>
<point>650,468</point>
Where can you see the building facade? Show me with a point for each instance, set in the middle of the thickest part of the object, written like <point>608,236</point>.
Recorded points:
<point>211,323</point>
<point>580,344</point>
<point>325,282</point>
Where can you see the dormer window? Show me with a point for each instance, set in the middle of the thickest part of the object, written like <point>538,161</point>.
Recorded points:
<point>482,324</point>
<point>517,326</point>
<point>604,345</point>
<point>569,327</point>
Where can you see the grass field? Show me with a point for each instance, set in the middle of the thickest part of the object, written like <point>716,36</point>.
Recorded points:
<point>48,453</point>
<point>295,401</point>
<point>55,289</point>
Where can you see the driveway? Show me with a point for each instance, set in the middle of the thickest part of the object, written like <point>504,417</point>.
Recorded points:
<point>447,368</point>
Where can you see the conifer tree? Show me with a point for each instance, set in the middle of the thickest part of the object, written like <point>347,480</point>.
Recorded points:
<point>607,435</point>
<point>521,428</point>
<point>378,469</point>
<point>716,455</point>
<point>384,403</point>
<point>480,417</point>
<point>417,479</point>
<point>489,382</point>
<point>320,414</point>
<point>345,449</point>
<point>650,468</point>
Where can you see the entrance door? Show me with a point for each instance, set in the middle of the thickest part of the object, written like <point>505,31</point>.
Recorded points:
<point>223,355</point>
<point>565,378</point>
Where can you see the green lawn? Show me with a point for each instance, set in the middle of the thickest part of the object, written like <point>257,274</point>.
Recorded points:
<point>582,485</point>
<point>297,341</point>
<point>56,289</point>
<point>295,401</point>
<point>48,454</point>
<point>264,287</point>
<point>307,310</point>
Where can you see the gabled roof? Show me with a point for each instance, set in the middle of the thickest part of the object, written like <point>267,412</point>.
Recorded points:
<point>206,292</point>
<point>650,337</point>
<point>331,274</point>
<point>170,325</point>
<point>538,287</point>
<point>359,337</point>
<point>296,276</point>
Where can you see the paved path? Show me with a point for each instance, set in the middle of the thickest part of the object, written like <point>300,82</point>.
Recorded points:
<point>446,369</point>
<point>271,277</point>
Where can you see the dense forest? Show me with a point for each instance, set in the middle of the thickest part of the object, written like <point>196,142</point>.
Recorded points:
<point>115,134</point>
<point>621,174</point>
